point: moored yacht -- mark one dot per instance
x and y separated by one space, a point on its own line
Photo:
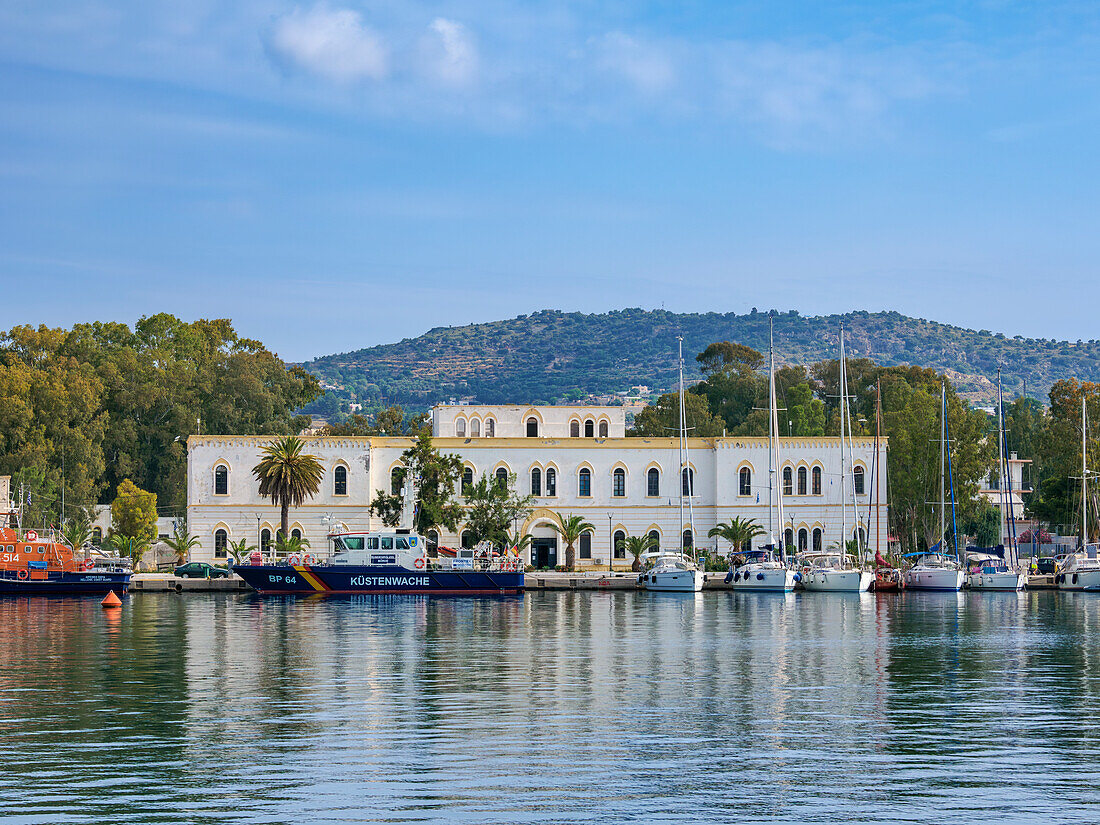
671 573
1081 570
933 571
759 570
987 571
827 572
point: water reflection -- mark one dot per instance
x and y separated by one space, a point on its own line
551 708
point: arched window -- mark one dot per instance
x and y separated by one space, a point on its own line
816 481
687 481
502 478
688 539
532 427
620 544
221 480
551 481
574 429
490 428
586 545
803 540
536 482
857 480
265 541
397 478
618 482
817 539
296 534
340 480
432 540
744 482
584 483
221 542
589 428
862 536
788 538
802 481
655 541
97 535
475 428
460 428
467 480
653 482
467 540
603 429
788 482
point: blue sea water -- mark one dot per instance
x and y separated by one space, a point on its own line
552 708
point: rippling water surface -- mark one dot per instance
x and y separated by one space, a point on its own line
571 707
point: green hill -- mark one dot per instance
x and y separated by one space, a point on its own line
559 356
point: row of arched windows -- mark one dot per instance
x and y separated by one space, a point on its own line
339 480
475 428
591 428
545 482
221 541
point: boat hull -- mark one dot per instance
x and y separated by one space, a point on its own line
65 584
838 581
1083 580
674 581
303 580
934 579
1001 580
770 580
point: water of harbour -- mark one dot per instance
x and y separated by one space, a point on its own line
552 707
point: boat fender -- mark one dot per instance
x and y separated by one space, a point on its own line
737 577
419 564
760 577
729 577
1075 578
179 587
797 577
22 575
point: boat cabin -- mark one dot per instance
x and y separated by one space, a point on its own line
381 549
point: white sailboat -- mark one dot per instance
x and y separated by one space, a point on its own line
833 571
675 572
765 568
935 569
986 570
1078 571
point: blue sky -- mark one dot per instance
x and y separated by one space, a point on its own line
338 174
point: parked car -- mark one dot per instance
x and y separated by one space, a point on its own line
201 570
1045 566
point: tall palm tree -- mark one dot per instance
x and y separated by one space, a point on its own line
635 546
288 476
571 528
737 531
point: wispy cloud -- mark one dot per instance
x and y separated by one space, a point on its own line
332 43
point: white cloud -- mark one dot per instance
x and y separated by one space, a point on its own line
451 52
332 43
646 66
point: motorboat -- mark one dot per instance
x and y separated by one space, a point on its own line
987 571
671 573
1078 571
827 572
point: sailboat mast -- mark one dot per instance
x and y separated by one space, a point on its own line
943 459
1084 476
680 530
843 468
1001 458
773 447
878 464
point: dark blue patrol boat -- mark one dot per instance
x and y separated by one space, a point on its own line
385 562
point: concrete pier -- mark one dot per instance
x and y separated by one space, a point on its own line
167 583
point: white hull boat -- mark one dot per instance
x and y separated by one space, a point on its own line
672 573
1078 572
927 577
832 580
764 576
999 580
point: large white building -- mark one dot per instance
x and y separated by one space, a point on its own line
571 460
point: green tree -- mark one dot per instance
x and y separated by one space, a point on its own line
492 508
662 420
131 547
737 531
983 523
288 476
241 549
290 545
435 476
134 513
570 528
636 546
77 532
180 542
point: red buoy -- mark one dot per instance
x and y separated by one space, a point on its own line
111 600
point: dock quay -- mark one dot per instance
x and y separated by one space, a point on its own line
167 583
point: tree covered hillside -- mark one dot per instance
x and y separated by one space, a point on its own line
559 356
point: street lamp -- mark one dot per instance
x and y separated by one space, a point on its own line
611 543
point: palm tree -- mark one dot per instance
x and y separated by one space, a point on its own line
737 531
635 546
76 533
571 529
288 476
241 549
181 543
520 543
294 545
